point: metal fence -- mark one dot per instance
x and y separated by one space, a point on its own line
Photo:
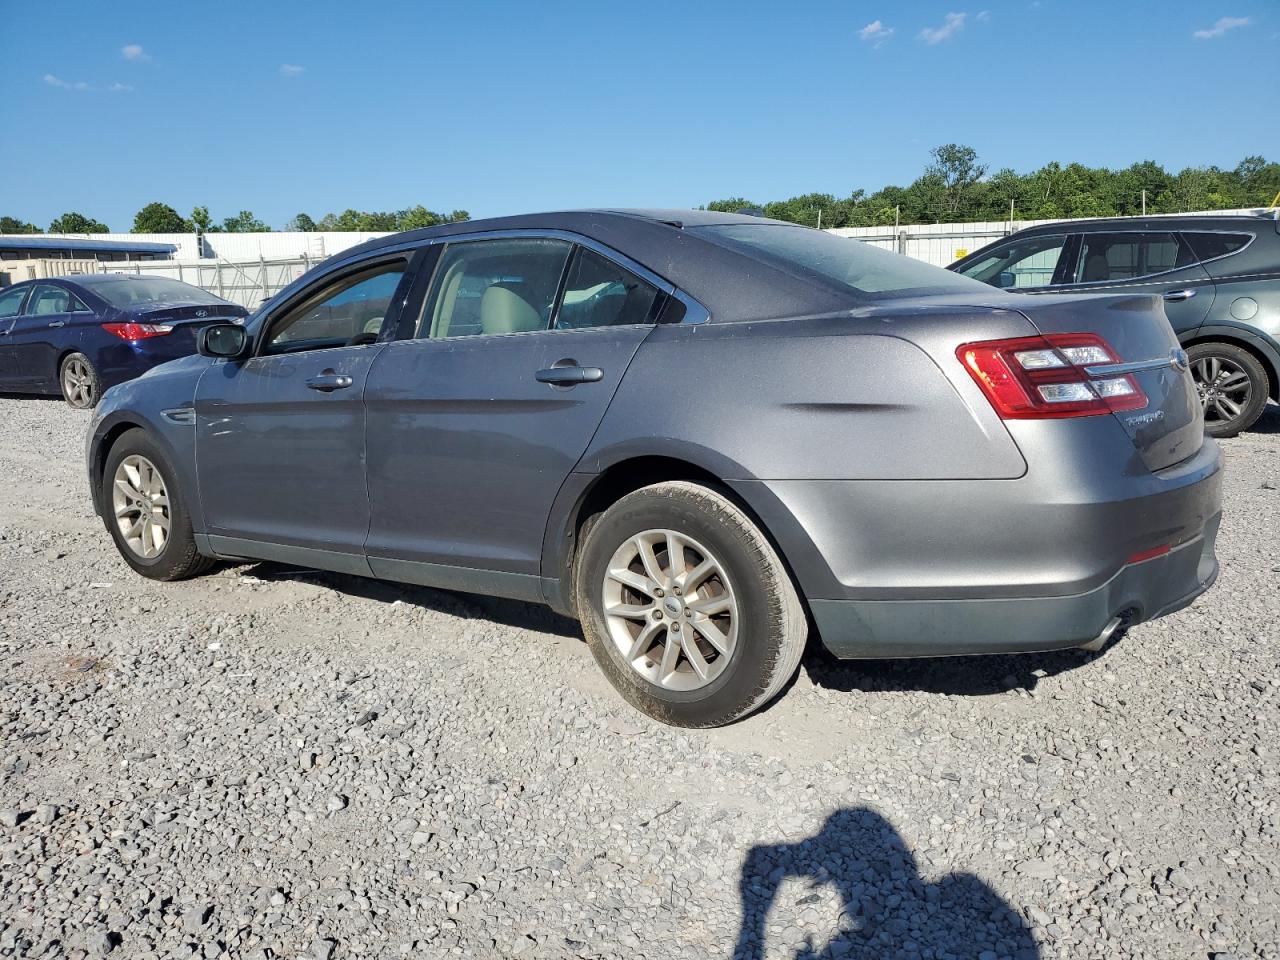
247 284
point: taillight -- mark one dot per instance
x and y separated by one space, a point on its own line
138 331
1035 378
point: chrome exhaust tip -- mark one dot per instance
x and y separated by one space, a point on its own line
1100 641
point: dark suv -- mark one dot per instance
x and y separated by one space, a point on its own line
1219 278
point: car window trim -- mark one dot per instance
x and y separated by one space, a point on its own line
1176 234
1068 257
405 255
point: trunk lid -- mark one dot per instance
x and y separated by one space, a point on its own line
199 313
1170 428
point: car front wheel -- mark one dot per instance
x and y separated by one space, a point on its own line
145 512
1232 384
686 606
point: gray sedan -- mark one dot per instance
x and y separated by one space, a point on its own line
706 436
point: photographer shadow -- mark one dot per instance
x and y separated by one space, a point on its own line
886 908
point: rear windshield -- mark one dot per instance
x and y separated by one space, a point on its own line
868 271
132 291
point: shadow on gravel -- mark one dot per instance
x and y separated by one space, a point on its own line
29 396
982 676
1269 422
887 908
508 613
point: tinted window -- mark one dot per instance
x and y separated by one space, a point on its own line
494 287
11 301
1207 246
1024 262
48 299
131 291
1127 256
78 305
346 310
599 293
862 268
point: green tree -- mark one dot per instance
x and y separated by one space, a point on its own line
957 170
14 225
77 223
159 218
732 205
201 220
244 222
301 223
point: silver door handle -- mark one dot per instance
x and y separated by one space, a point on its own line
57 323
1173 296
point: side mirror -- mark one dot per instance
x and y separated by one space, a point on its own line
229 341
1006 279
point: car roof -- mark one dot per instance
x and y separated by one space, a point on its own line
669 243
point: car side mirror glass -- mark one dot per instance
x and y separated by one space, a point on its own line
1005 279
225 340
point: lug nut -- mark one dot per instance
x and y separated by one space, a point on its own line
658 592
657 614
676 591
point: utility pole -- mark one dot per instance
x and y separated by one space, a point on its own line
819 218
1144 201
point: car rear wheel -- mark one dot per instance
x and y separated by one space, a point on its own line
79 382
687 607
145 512
1232 384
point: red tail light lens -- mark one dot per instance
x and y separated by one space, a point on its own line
1039 378
138 331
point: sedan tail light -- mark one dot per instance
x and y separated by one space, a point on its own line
138 331
1038 378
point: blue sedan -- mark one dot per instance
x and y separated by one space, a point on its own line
80 335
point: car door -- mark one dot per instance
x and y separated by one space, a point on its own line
476 420
1146 261
45 331
280 436
11 301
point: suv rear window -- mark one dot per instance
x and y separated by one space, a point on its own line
870 271
1209 246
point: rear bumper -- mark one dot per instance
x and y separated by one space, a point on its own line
856 629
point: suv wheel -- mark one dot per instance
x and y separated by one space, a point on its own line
686 606
1232 384
145 512
79 382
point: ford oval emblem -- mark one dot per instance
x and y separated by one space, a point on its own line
1179 360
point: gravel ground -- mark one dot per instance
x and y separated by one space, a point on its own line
268 762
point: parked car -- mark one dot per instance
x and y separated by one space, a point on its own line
1219 277
80 335
696 432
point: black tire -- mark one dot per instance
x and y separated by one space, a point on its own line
772 629
1229 360
83 389
178 558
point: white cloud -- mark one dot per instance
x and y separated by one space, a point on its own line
120 88
53 81
290 69
875 33
133 51
953 25
1221 27
982 16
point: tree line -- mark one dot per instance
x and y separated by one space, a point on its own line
162 218
955 187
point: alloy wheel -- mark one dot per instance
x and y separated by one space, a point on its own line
141 505
77 383
670 609
1224 387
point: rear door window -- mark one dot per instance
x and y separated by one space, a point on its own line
1210 246
493 287
1020 263
1117 257
48 299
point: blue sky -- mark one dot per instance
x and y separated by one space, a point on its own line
495 107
